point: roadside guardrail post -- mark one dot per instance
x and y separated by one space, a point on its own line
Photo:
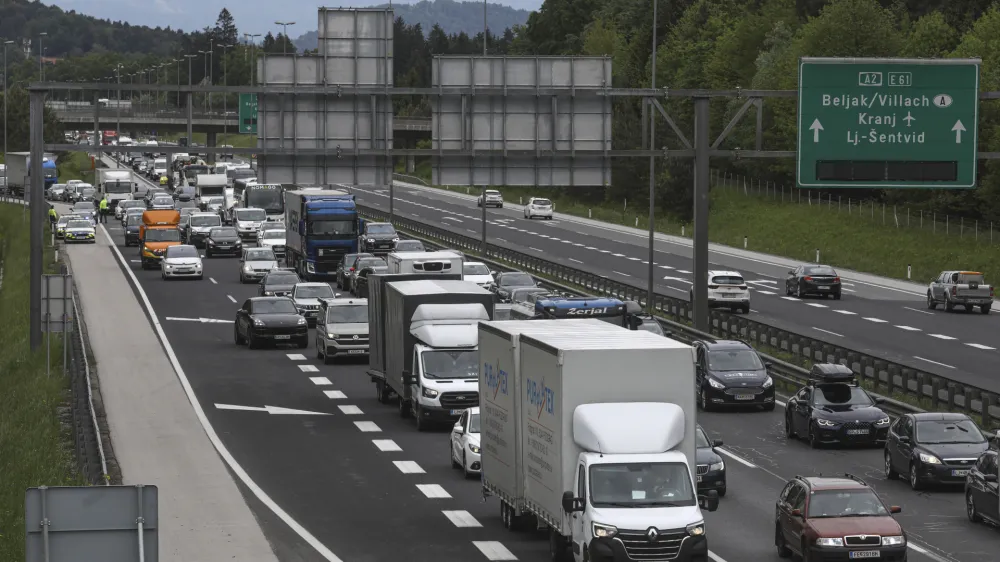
987 403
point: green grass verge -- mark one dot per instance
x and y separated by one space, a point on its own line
75 166
796 231
35 448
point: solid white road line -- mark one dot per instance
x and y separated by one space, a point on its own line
535 249
573 260
618 255
408 467
308 368
622 274
494 550
847 312
876 320
433 491
350 410
212 279
237 469
941 336
335 394
766 292
386 445
909 328
816 305
920 311
935 362
231 298
320 381
790 298
666 267
848 290
980 346
828 332
737 458
684 271
462 518
715 557
296 356
367 426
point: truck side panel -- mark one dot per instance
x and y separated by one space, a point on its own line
542 447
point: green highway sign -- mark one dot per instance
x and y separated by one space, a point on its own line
885 123
248 114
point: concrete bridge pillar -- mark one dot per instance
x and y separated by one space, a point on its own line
211 140
411 164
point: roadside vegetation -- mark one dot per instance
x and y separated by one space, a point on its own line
235 139
75 166
35 447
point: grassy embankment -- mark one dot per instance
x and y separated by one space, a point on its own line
237 140
35 449
796 231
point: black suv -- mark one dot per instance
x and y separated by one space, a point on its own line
833 408
933 448
378 238
731 373
981 497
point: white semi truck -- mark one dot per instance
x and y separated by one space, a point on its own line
117 184
594 438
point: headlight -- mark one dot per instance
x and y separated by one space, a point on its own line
311 268
929 459
395 239
825 423
303 321
474 449
604 531
257 322
829 542
247 268
429 393
211 242
768 382
696 529
716 384
893 541
333 336
371 240
717 466
268 293
883 421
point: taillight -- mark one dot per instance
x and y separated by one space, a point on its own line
713 286
991 292
743 287
808 278
954 290
352 269
836 279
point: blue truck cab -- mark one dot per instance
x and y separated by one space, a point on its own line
50 172
609 310
321 226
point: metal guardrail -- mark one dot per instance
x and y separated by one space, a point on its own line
888 379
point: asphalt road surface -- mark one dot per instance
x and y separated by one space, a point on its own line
882 321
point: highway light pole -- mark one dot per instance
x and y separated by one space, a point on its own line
652 181
205 75
253 54
6 186
188 99
178 65
482 193
225 97
284 26
36 124
118 112
41 69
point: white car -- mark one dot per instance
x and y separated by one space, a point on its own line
123 206
273 239
247 220
181 261
728 289
306 297
80 230
539 207
478 273
465 443
269 225
493 199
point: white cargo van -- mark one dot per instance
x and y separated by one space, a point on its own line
425 262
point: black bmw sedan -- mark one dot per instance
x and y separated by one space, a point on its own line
270 320
813 280
833 408
711 467
933 448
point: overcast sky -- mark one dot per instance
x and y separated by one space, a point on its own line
252 16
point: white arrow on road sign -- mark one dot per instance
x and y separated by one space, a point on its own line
273 410
958 128
816 127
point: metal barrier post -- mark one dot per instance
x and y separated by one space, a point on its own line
139 523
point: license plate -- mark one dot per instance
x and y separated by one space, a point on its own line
699 478
865 554
355 351
857 432
964 472
456 412
744 396
825 287
282 337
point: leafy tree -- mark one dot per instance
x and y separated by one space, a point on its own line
930 37
18 118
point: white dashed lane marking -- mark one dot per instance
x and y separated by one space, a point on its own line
350 410
847 312
408 467
320 381
684 271
816 305
766 292
296 357
335 394
231 298
909 328
386 445
308 368
941 336
876 320
494 550
433 491
980 346
461 518
622 274
789 298
367 426
576 261
212 279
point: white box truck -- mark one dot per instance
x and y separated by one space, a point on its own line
118 184
424 262
607 445
208 185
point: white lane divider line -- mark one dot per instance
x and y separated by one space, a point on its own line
212 279
941 336
766 292
335 394
828 332
816 305
367 426
577 244
909 328
681 279
494 550
736 458
350 410
535 249
876 320
590 248
433 491
935 362
408 467
296 356
605 251
622 274
320 381
918 310
790 299
573 260
231 298
684 271
847 312
635 259
848 290
461 518
386 445
665 267
308 368
618 255
980 346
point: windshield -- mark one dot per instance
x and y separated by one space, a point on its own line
118 187
254 215
456 364
79 224
371 262
542 202
283 278
840 395
409 246
274 234
734 360
640 485
182 252
700 439
213 201
380 229
473 424
206 220
333 228
314 292
265 197
65 220
192 172
845 503
227 232
819 270
260 254
652 326
517 280
353 314
163 235
955 431
276 306
475 269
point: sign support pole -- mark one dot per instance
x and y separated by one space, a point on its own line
36 184
700 246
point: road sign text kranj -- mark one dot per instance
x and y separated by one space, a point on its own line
887 123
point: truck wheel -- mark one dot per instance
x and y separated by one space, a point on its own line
380 393
404 408
930 301
558 552
422 425
948 305
985 309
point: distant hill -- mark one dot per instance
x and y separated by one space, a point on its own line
453 17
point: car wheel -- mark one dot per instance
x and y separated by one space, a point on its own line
769 407
251 341
789 429
813 439
319 350
721 491
746 309
970 508
890 472
915 481
948 305
985 309
327 358
418 415
208 253
703 402
930 301
798 291
236 336
465 466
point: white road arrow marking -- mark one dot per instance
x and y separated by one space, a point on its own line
202 320
909 119
958 128
273 410
816 127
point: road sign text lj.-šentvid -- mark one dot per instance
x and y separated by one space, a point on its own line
248 114
887 123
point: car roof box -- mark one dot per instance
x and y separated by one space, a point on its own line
831 372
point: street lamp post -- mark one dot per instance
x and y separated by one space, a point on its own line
41 69
225 97
178 64
207 54
189 99
284 31
5 80
118 112
253 54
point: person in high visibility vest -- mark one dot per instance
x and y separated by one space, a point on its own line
103 214
163 180
53 216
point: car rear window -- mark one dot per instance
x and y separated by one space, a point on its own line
820 271
542 202
968 278
727 280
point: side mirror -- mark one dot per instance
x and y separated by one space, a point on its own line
408 377
717 443
457 429
710 501
791 273
904 438
796 513
897 509
988 478
571 504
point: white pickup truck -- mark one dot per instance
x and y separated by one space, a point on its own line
967 289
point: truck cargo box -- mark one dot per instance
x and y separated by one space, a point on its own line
499 386
561 371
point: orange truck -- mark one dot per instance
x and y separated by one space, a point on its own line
158 232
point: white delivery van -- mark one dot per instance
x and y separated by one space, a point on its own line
425 262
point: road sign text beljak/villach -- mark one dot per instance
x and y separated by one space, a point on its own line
887 123
248 114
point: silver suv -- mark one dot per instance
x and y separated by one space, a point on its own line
341 328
